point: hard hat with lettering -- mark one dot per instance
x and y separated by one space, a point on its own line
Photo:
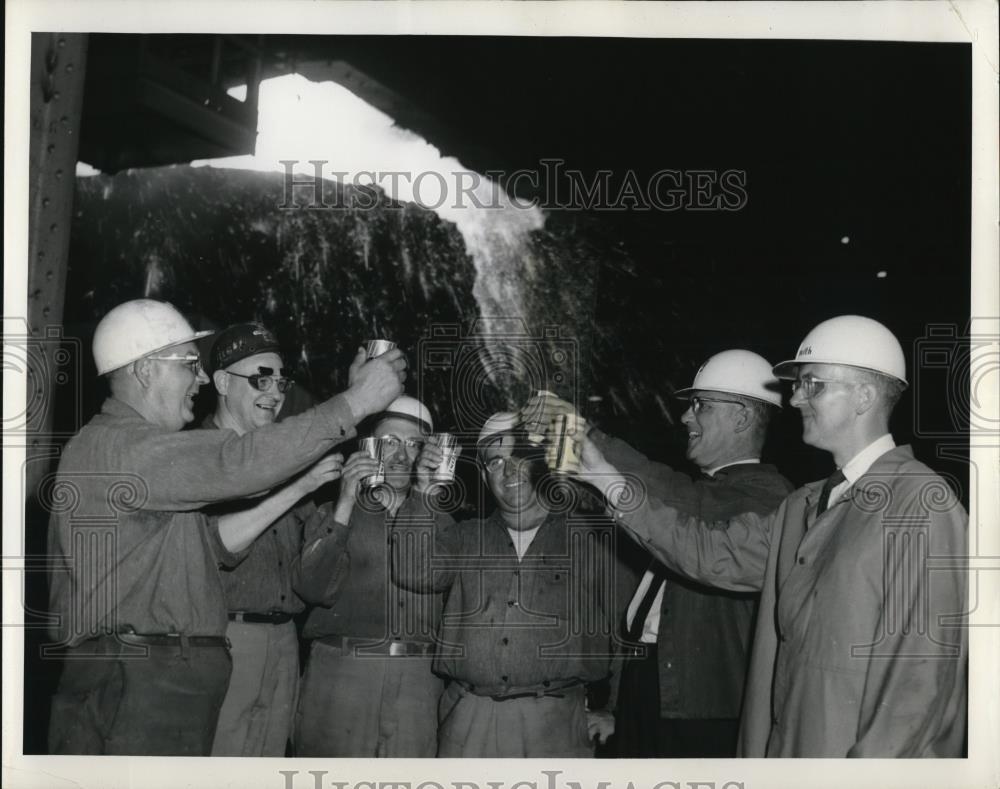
737 372
851 340
406 407
138 328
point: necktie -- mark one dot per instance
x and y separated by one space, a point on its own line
824 496
634 633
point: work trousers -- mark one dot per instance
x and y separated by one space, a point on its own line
257 714
640 732
119 698
528 727
367 706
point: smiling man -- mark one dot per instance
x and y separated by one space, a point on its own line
860 648
368 690
688 645
526 623
139 615
295 555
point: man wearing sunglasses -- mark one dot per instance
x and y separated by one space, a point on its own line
528 592
860 648
138 603
368 690
296 553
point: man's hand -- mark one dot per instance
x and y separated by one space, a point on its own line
427 463
375 383
600 725
358 466
327 469
537 414
597 471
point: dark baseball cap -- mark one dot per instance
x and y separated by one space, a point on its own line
240 341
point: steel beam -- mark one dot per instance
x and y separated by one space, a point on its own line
58 65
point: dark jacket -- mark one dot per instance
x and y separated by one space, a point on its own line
703 643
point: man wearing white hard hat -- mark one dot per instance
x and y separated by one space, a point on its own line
140 617
526 624
368 690
687 649
860 649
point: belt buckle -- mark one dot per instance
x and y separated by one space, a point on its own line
397 648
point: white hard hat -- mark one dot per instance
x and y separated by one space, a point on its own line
500 422
406 407
737 372
136 329
851 340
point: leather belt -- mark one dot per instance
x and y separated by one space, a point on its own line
557 693
270 618
368 646
172 640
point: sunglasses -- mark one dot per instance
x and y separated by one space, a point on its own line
261 381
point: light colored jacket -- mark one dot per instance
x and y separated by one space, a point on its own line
861 647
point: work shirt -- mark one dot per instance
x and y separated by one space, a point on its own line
702 634
366 603
130 545
859 649
512 625
280 570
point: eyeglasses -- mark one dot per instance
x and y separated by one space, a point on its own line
496 463
191 360
812 386
262 381
391 444
698 403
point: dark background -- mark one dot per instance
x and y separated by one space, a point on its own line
864 140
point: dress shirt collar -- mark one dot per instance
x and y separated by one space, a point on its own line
856 467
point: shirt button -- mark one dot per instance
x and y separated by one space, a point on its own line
280 563
545 683
504 678
802 560
509 602
505 641
282 597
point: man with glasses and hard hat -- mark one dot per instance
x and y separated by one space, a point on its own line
860 648
681 685
138 604
528 593
300 558
368 690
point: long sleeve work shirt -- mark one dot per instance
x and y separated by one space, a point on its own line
131 547
512 626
